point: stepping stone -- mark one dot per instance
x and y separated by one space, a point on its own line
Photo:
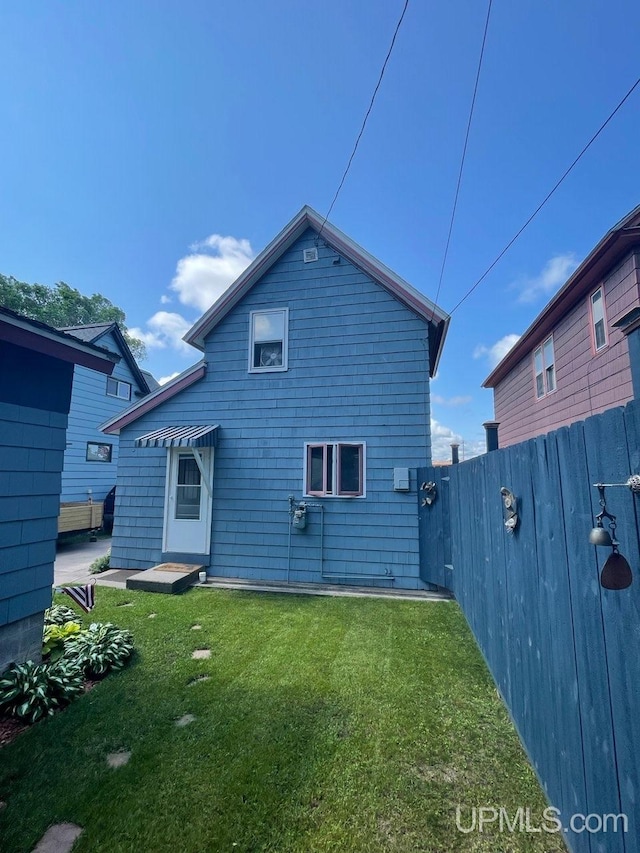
118 759
185 720
152 615
197 679
196 627
201 654
125 604
59 838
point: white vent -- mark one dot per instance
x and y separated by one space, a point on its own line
309 255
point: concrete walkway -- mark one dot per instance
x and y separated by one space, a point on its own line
73 561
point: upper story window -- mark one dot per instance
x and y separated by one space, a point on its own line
118 388
268 340
545 368
335 470
598 320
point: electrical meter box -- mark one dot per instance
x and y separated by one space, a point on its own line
401 479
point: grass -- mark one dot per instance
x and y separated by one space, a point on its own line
325 724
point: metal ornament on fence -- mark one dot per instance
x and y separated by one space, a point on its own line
431 493
511 506
616 572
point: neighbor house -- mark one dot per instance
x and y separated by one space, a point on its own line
290 451
573 360
90 461
36 374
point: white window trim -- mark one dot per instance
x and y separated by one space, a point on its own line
285 343
119 382
545 391
335 445
596 348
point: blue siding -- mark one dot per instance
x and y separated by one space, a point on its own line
358 371
31 451
90 406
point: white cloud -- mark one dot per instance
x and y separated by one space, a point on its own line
496 352
212 265
164 379
442 437
554 274
450 401
164 299
165 329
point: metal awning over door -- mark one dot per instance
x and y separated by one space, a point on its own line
180 436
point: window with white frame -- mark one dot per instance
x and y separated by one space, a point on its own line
335 469
598 322
545 368
268 340
118 388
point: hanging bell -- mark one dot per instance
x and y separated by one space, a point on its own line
616 572
600 536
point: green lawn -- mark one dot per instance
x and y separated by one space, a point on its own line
325 724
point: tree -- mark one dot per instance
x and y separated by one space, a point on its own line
62 305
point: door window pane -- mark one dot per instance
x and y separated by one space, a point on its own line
188 489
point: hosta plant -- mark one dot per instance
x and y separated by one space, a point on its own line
60 614
55 636
99 649
31 691
100 564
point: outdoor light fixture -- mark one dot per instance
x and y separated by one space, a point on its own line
511 506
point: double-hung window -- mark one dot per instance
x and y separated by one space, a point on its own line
598 322
335 469
545 368
268 340
118 388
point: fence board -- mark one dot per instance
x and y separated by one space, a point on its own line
565 653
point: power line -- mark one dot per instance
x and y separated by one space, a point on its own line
373 97
464 154
546 198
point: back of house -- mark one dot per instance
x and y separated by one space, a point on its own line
290 452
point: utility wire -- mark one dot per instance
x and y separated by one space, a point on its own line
373 97
464 154
546 198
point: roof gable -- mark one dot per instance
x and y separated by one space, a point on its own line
307 218
93 332
612 248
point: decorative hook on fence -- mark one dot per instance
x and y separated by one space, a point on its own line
511 506
431 493
616 572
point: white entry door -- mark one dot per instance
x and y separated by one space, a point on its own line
187 519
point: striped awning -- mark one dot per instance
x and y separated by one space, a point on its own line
180 436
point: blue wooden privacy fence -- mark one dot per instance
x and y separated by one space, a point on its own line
564 652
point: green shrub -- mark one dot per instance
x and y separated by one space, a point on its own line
60 614
99 649
31 691
100 564
55 636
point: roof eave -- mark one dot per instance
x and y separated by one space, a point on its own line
39 337
613 247
155 398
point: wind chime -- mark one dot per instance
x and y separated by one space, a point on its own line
616 572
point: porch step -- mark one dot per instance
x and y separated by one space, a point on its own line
170 578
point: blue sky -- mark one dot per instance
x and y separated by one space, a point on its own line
150 149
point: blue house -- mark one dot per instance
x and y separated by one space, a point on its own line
90 461
36 374
289 452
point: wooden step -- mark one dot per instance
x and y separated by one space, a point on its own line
169 578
